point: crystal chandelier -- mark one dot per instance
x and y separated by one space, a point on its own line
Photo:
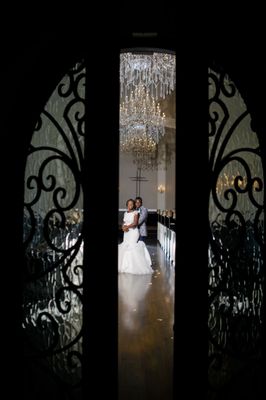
140 115
142 125
156 71
143 150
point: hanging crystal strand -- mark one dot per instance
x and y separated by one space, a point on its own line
143 76
148 82
121 88
149 70
167 86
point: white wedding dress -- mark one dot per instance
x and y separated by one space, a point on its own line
133 256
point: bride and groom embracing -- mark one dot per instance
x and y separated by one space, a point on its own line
133 255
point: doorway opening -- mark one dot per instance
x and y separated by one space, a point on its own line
147 172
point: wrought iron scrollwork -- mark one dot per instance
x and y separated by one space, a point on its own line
236 233
53 231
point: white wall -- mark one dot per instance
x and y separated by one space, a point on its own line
127 187
149 188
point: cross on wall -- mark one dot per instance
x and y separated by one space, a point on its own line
138 179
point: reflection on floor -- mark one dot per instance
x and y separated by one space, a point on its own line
146 318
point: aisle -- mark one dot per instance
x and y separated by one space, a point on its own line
146 317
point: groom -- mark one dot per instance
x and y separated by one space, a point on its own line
143 216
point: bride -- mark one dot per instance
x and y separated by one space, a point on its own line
133 255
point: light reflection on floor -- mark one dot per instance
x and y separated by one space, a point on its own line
146 318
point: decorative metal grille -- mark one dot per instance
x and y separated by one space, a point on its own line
53 237
236 234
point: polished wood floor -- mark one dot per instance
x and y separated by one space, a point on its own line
145 341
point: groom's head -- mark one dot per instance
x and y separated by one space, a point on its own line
138 202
